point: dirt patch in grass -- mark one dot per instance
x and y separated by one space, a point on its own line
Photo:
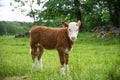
17 78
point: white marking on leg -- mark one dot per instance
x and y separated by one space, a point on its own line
67 68
62 71
34 67
40 64
34 63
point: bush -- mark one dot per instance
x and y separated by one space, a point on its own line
12 28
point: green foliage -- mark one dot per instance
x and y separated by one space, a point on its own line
93 13
2 29
91 59
55 11
58 8
91 22
12 28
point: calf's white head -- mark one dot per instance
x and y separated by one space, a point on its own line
73 29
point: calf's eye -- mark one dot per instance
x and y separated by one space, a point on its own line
69 30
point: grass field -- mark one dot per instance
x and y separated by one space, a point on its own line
91 59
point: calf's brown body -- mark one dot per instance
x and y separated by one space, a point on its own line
50 38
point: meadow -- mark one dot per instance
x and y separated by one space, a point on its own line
91 59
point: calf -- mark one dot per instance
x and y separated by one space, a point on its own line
61 39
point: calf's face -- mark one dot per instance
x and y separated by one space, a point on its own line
73 29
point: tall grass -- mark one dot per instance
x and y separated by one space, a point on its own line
91 59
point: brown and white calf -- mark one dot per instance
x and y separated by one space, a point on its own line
61 39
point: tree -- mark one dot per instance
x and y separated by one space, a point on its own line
114 11
91 12
32 10
111 8
77 9
58 10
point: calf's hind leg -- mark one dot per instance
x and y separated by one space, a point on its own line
40 52
33 51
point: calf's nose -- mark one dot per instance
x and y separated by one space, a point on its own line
73 38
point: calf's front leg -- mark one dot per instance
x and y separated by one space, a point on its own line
66 62
62 60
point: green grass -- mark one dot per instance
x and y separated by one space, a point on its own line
91 59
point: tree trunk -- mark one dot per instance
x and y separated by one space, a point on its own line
118 2
78 12
114 12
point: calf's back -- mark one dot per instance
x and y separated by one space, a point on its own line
49 38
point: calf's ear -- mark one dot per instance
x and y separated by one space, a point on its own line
64 24
79 23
